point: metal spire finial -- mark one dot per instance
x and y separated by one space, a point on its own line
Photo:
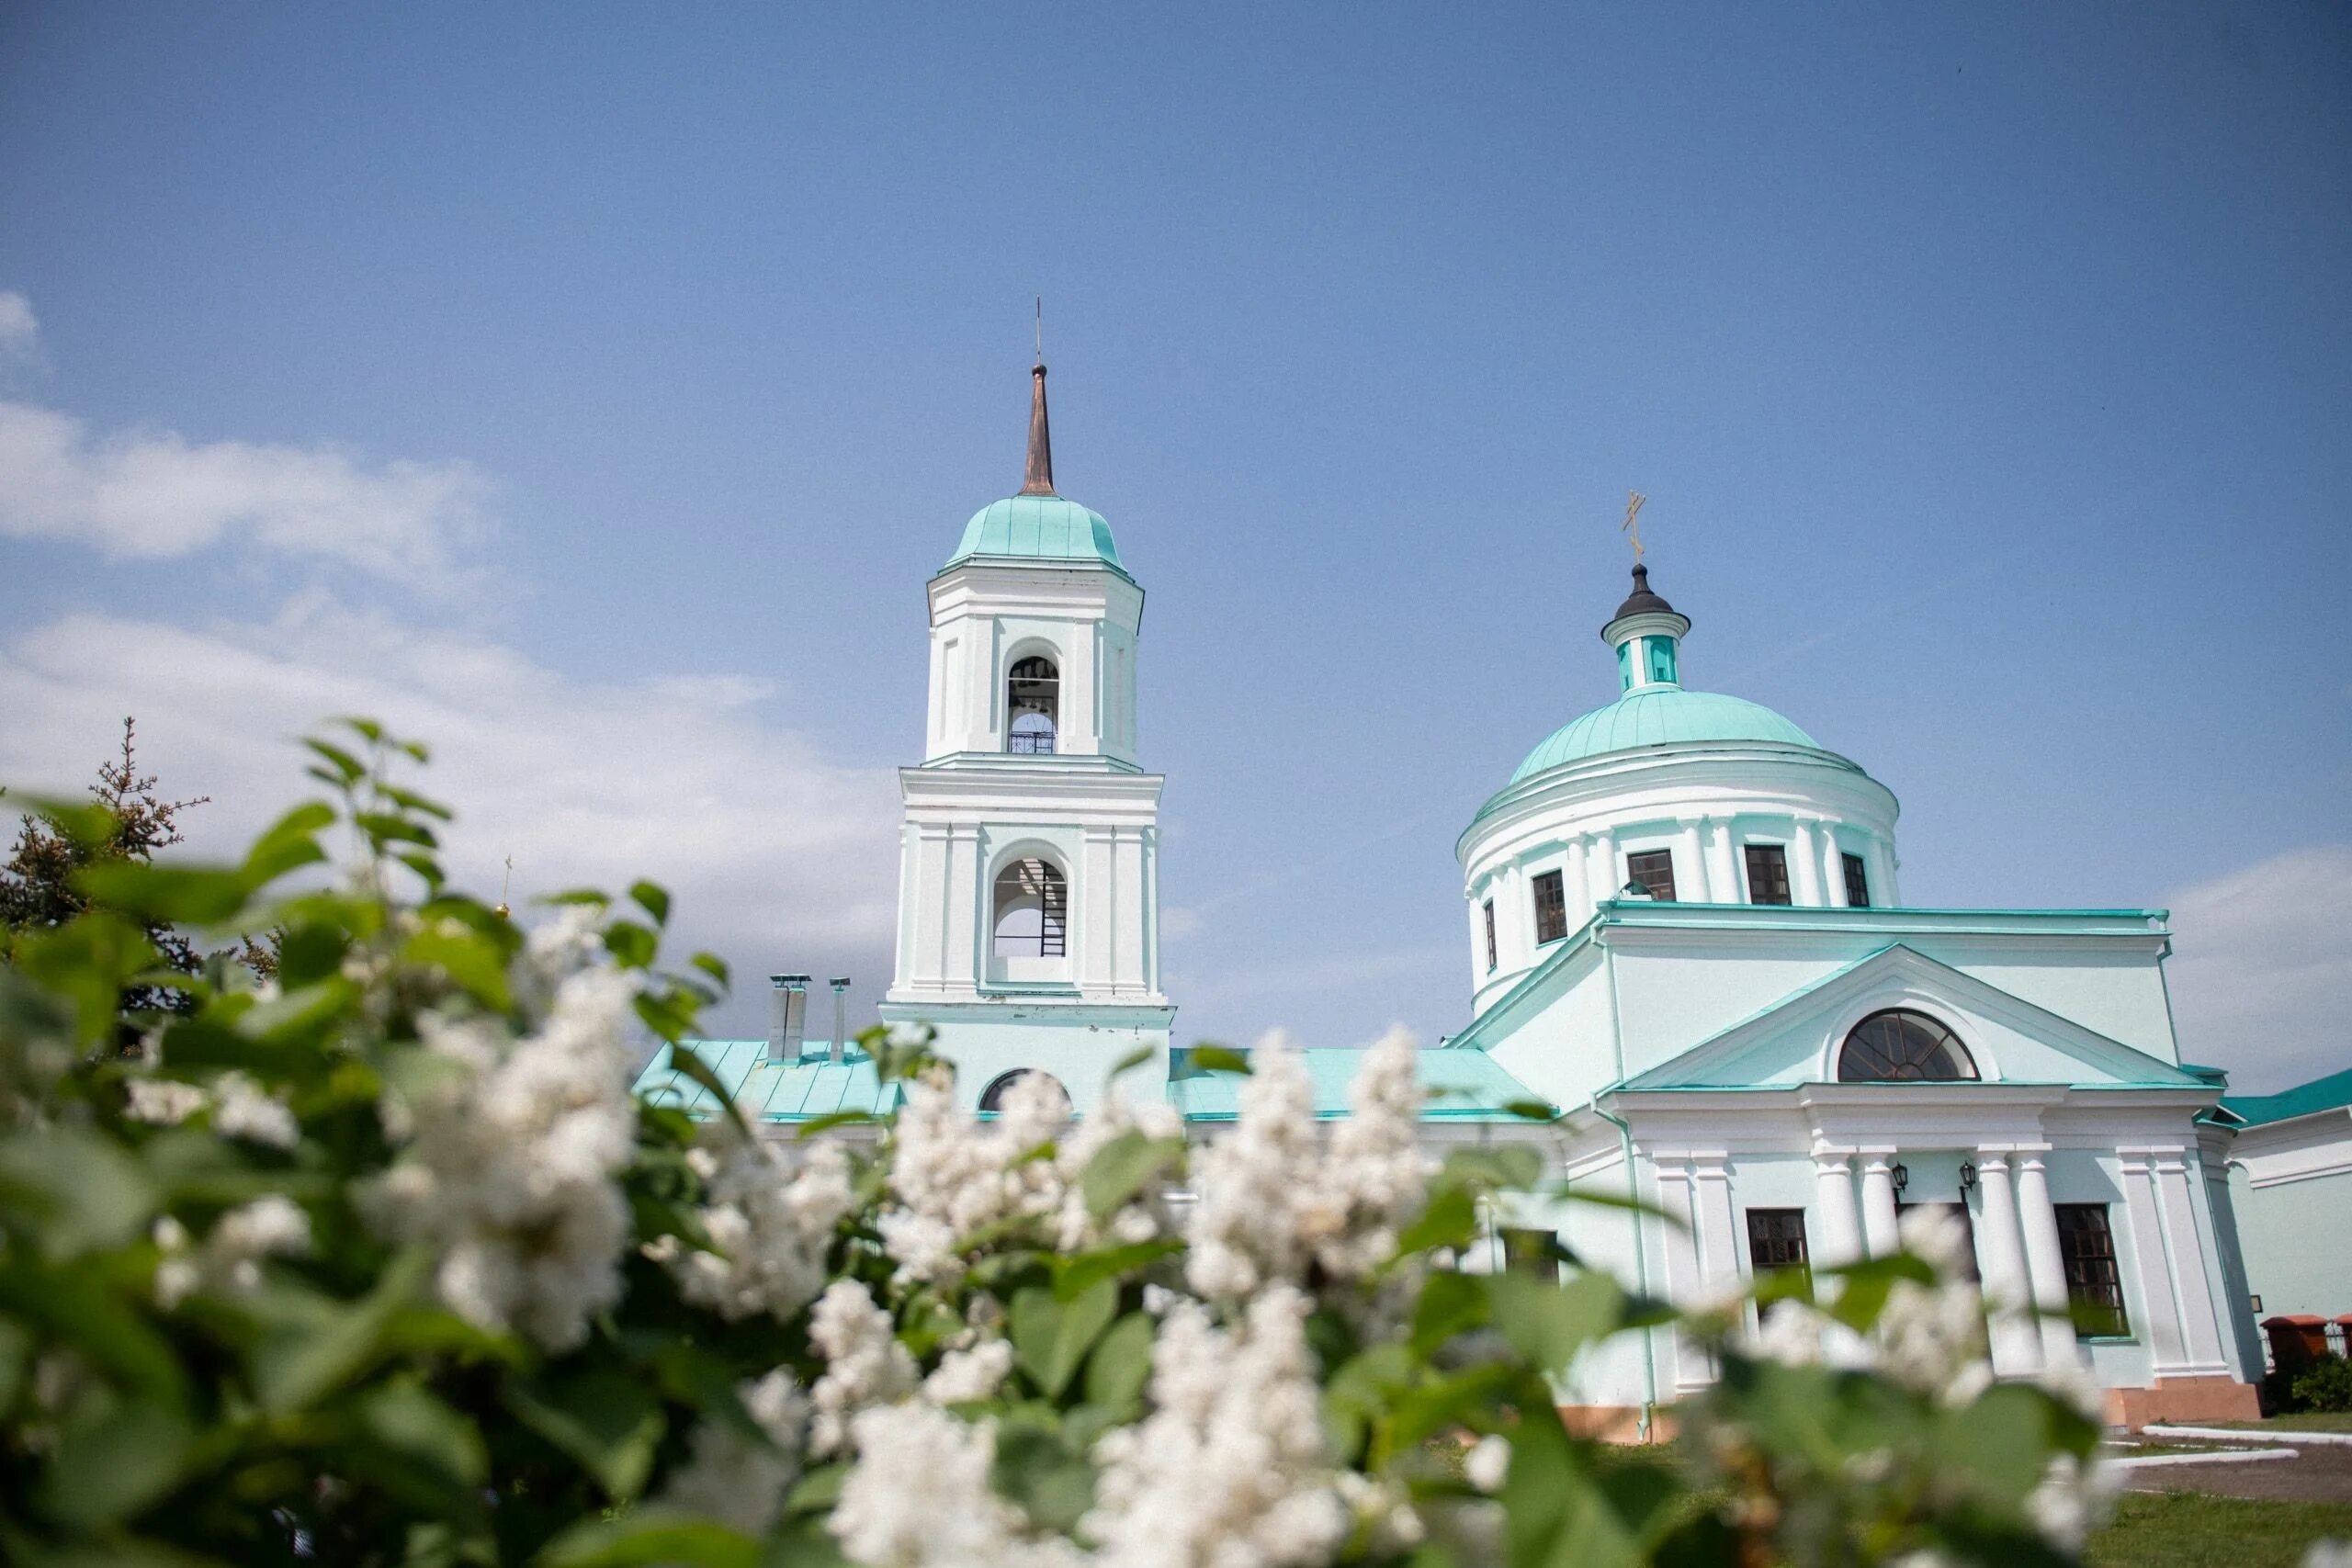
1633 499
1039 480
504 884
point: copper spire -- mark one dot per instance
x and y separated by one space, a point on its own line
1039 480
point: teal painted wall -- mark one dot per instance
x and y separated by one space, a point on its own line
2297 1239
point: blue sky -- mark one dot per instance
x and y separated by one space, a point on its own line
594 389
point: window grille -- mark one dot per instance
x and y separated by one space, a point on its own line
1031 910
1899 1046
1653 869
2094 1283
1491 954
1551 908
1858 882
1531 1252
1767 875
1776 1247
1032 705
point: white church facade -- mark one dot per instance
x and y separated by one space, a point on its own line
1685 934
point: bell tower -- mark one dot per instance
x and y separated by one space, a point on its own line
1028 886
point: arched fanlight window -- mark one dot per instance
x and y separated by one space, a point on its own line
1031 910
1899 1046
1032 702
993 1098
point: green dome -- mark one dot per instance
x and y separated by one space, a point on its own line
1038 527
1660 715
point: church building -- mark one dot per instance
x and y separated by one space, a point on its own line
1687 937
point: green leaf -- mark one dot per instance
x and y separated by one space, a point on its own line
1079 1272
1121 1365
301 1013
1450 1304
410 1420
1513 1167
816 1125
1120 1168
74 1305
2001 1441
1532 1110
649 1536
177 895
113 1462
1050 1338
471 961
288 843
653 899
714 966
1868 1283
1134 1058
73 1193
631 944
384 828
1548 1324
348 769
306 1356
1037 1469
603 1419
1449 1219
1211 1058
409 800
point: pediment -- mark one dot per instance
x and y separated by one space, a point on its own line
1795 1040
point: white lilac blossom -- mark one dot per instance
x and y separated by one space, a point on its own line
1146 1217
514 1148
1275 1201
772 1228
735 1479
1231 1468
242 1108
229 1262
918 1497
162 1101
1487 1464
952 1175
865 1363
970 1374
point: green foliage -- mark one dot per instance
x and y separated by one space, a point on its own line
2324 1386
327 1403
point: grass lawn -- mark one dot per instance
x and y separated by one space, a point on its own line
2189 1529
2307 1421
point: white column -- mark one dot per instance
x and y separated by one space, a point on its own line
1691 861
1718 1231
1722 874
962 963
1833 869
2000 1259
2201 1326
1841 1227
1148 842
1692 1368
2157 1315
1093 918
1601 866
2045 1264
1881 860
1804 865
1880 1226
1127 938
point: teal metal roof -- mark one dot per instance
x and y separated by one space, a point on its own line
770 1091
1660 715
1039 527
1463 1086
2330 1093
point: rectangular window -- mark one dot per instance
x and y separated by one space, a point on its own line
1551 908
2094 1284
1490 936
1653 869
1858 882
1531 1252
1767 875
1776 1245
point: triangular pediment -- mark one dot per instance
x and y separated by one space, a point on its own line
1796 1039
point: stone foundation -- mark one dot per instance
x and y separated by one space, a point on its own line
2184 1400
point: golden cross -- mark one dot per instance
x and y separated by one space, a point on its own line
1633 499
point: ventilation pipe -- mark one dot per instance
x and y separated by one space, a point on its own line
840 1052
787 1018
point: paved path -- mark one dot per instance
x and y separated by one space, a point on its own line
2318 1474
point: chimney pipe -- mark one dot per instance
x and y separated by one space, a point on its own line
840 1052
787 1017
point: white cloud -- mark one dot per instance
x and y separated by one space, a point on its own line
19 333
2261 973
153 494
771 849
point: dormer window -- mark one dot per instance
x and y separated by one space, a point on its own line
1032 702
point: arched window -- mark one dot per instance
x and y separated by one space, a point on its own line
1898 1046
992 1097
1032 689
1031 910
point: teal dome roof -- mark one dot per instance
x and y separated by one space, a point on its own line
1660 715
1039 527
